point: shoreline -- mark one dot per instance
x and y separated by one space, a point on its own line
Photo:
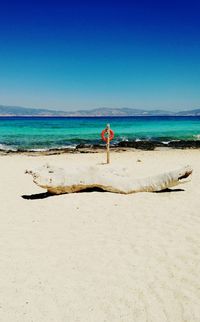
119 147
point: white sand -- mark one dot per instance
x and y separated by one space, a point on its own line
100 257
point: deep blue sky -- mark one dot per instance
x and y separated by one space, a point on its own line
72 54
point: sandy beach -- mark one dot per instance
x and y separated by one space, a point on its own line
99 256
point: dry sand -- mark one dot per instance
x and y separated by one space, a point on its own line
100 257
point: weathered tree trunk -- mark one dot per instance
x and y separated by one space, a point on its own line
59 180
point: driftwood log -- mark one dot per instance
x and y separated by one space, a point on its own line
58 180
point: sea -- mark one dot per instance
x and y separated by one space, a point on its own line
46 133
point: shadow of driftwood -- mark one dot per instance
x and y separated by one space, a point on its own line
169 190
45 195
42 195
93 189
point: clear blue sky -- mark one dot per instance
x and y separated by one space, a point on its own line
83 54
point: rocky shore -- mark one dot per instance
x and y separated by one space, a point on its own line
119 147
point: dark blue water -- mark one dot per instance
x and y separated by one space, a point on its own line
57 132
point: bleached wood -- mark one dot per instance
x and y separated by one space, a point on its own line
58 180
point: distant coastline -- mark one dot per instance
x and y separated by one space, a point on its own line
17 111
93 116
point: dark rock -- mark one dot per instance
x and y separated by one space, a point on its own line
143 145
184 144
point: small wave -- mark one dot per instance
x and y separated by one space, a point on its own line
5 147
36 150
123 138
197 136
67 147
175 140
51 148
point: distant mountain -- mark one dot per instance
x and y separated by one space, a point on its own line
124 111
190 112
103 111
26 111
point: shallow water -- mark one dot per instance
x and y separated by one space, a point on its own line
58 132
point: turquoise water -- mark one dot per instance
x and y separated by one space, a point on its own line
47 133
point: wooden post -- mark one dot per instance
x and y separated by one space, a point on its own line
108 143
